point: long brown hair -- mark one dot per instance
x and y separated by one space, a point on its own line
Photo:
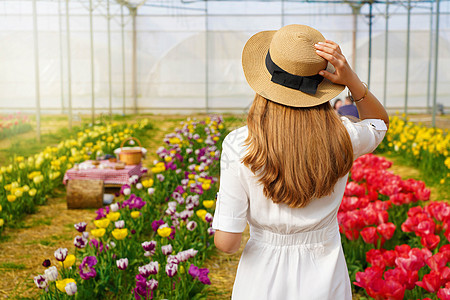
298 153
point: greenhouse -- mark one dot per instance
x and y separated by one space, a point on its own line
124 172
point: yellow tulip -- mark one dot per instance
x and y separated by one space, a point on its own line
120 234
208 203
2 222
168 158
102 223
201 213
61 284
1 208
165 231
113 216
32 192
11 198
68 262
206 186
135 214
99 232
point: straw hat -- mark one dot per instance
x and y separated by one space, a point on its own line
283 66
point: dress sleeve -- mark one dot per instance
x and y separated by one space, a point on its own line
365 135
232 200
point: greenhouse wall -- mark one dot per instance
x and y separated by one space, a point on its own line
188 53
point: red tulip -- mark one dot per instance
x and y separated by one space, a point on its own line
386 230
430 241
412 263
430 282
369 235
445 250
444 294
437 261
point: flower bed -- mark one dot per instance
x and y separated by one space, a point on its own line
153 243
27 182
425 148
395 246
13 124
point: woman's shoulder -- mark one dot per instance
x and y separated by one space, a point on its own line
237 136
234 141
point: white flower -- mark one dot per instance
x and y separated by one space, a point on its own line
71 288
51 273
139 186
114 207
151 191
61 254
126 191
41 281
120 224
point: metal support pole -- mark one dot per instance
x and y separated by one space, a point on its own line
282 13
69 67
436 56
134 62
370 44
430 59
386 41
109 58
61 61
206 59
92 63
36 74
123 60
355 12
407 58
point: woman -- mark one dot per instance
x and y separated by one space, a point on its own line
337 104
285 172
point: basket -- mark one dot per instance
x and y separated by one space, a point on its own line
130 156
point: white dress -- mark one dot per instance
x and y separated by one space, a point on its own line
292 253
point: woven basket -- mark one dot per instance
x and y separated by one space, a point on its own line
130 156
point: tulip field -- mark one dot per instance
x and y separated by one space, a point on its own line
155 240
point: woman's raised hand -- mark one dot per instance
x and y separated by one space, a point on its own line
332 52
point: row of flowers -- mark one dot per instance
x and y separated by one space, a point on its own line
424 147
27 182
152 241
396 244
14 124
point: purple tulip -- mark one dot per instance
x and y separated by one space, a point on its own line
172 259
186 254
157 224
80 227
171 269
134 202
203 277
191 225
152 284
61 254
149 246
87 269
149 269
80 242
193 271
167 249
208 218
211 231
122 263
41 281
46 263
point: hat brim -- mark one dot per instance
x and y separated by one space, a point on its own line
259 78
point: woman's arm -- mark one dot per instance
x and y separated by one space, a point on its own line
227 242
369 107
